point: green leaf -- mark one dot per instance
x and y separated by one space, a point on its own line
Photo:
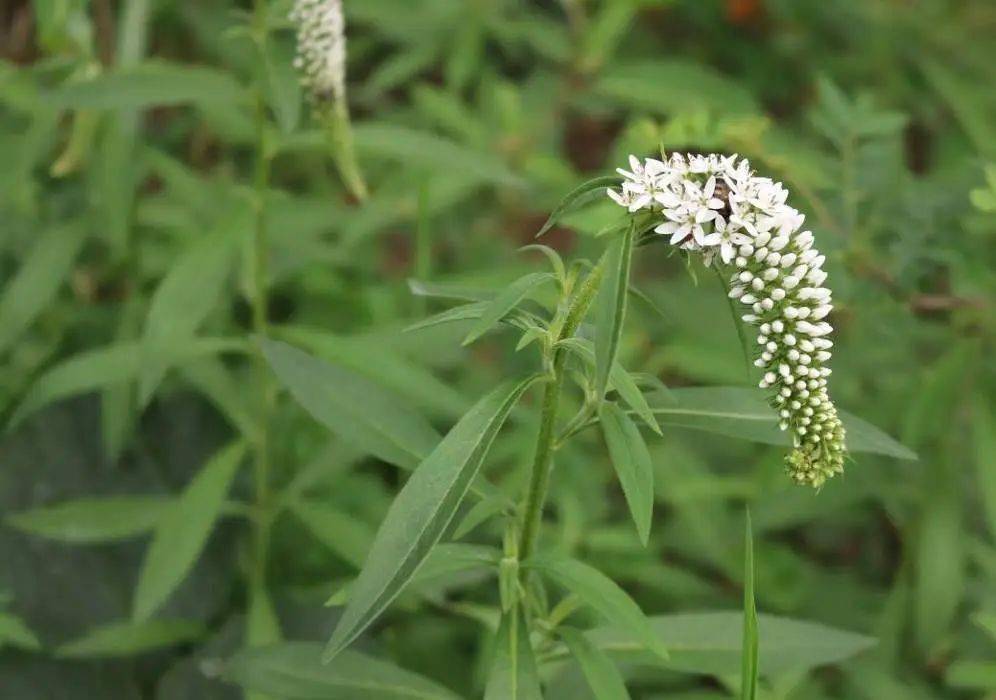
631 460
969 106
467 312
444 561
93 520
294 671
620 380
711 643
601 593
556 262
352 406
742 412
603 677
513 673
939 578
578 197
422 510
182 533
186 295
670 86
427 150
749 653
611 307
972 675
371 357
508 299
40 275
984 442
14 633
107 366
262 623
283 89
212 378
348 537
129 638
152 84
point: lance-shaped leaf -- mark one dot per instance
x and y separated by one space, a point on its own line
293 670
507 300
146 85
354 407
344 534
632 463
128 638
742 412
582 194
599 670
710 643
91 520
610 309
422 510
186 295
513 673
469 312
601 593
14 633
183 531
108 366
37 280
374 359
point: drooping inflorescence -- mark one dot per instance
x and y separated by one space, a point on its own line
716 206
321 49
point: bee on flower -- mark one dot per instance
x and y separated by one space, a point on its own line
717 207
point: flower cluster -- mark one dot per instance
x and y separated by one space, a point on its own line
321 49
716 206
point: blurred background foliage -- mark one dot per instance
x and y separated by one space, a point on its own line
127 140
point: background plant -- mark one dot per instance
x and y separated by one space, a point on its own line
130 202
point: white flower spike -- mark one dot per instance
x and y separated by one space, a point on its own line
321 49
716 206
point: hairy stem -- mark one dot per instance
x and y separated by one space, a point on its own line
539 481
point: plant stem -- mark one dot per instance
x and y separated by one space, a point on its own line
539 480
260 324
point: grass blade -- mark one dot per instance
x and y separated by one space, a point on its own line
749 649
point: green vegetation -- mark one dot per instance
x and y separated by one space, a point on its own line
369 390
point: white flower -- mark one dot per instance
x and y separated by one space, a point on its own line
321 49
716 206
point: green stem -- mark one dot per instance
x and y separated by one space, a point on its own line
259 302
539 481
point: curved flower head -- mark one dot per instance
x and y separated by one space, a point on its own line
718 207
321 49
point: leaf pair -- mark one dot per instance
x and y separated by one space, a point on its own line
514 673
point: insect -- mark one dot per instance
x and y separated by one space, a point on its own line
722 193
